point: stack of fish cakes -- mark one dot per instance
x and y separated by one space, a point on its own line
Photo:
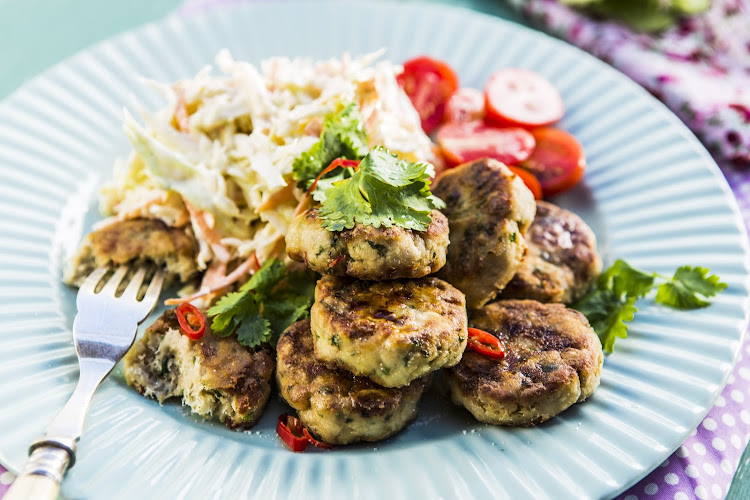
505 246
379 326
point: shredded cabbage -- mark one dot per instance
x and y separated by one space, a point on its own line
225 144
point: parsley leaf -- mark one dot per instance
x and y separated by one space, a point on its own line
265 306
688 288
385 191
610 304
343 136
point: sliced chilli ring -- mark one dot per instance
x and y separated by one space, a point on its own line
485 344
191 320
290 430
315 442
295 435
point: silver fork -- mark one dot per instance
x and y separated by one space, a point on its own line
103 331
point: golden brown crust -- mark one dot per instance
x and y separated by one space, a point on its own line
553 359
135 241
335 405
366 252
215 376
561 262
489 209
390 331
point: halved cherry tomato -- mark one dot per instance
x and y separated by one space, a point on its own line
428 83
465 105
557 161
466 141
191 320
485 344
531 182
520 97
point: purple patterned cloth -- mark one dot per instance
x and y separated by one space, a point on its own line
701 70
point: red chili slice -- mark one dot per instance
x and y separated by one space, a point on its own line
485 344
429 83
295 435
338 162
191 320
335 262
461 142
315 442
289 429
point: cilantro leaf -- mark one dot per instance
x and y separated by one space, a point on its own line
610 304
607 313
329 181
291 301
253 330
632 282
232 307
343 136
239 312
265 278
226 310
688 288
270 301
385 191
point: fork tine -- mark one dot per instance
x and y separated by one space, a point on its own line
111 287
154 288
131 292
89 285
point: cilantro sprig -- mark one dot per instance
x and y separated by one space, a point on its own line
384 191
271 300
343 136
610 304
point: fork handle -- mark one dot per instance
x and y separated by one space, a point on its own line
32 487
40 479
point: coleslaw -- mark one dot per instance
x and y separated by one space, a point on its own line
218 157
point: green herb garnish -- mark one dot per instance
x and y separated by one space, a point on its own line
384 191
610 304
265 306
343 136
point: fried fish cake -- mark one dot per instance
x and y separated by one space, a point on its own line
390 331
136 241
336 406
489 210
367 252
552 359
561 261
216 377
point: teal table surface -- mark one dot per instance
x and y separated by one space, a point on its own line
36 34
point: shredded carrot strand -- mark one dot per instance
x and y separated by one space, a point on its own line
213 281
214 240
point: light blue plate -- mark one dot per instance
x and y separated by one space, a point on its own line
652 194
